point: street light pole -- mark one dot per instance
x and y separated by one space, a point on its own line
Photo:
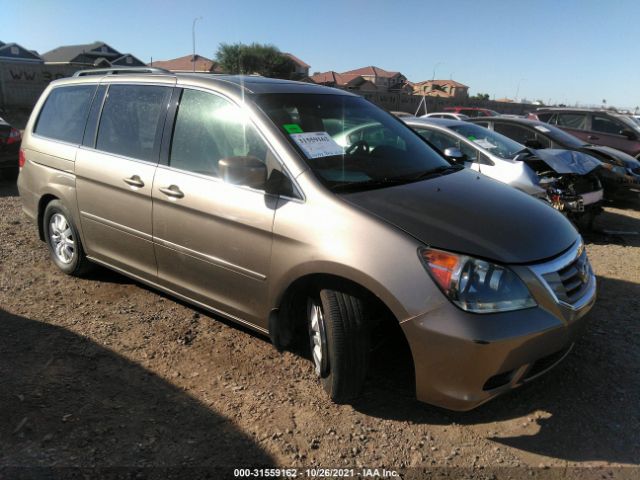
433 77
518 89
193 37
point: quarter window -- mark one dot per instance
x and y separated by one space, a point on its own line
64 113
208 129
131 121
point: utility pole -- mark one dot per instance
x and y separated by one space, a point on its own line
193 37
518 89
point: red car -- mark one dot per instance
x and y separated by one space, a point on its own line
596 127
10 139
472 112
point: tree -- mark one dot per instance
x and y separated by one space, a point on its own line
266 60
480 96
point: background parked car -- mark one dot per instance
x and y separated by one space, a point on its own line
563 178
621 175
598 127
472 111
10 139
449 115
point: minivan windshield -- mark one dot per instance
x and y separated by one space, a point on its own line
491 141
349 143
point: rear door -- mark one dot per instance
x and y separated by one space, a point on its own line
114 176
212 238
573 122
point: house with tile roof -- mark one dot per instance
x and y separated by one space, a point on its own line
381 78
96 54
300 68
441 88
188 63
369 79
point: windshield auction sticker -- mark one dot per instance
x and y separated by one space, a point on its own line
317 144
292 128
481 142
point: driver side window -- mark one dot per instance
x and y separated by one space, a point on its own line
209 128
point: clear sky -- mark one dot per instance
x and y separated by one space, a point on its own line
560 50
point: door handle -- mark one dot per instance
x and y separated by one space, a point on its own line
134 181
593 137
172 191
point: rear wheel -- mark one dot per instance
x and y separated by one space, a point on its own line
339 342
63 240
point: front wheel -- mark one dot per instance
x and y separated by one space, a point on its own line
339 342
63 240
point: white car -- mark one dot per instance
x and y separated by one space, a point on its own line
563 178
448 115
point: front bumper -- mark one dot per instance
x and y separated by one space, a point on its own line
463 359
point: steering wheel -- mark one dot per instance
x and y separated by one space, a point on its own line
359 147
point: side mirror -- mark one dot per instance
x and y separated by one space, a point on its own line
279 184
630 134
454 154
248 171
533 143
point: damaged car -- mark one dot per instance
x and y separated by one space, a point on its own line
620 172
565 179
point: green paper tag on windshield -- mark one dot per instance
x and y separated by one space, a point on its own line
292 128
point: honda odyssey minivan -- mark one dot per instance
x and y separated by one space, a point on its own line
232 193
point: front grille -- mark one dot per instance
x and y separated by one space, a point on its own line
570 282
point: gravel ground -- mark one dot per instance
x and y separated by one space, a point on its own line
104 372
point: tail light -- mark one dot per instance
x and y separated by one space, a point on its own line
21 159
14 136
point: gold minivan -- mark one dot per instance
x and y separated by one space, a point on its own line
233 193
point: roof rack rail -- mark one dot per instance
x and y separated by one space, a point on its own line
120 71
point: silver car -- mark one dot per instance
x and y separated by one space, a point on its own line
566 179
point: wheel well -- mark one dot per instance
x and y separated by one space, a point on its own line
288 321
42 205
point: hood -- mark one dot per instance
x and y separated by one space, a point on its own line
567 161
469 213
611 153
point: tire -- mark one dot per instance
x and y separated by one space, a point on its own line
337 331
63 240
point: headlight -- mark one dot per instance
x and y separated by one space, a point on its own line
476 285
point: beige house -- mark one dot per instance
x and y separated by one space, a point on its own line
300 68
441 88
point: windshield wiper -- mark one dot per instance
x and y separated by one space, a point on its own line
524 153
435 172
367 184
390 181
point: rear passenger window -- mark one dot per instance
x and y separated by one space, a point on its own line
572 120
131 121
64 113
209 128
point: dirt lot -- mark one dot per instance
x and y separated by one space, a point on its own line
103 372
